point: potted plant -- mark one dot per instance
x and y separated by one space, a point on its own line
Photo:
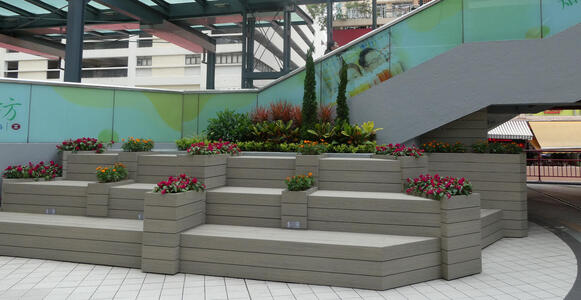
30 172
75 154
309 155
98 192
175 205
132 148
207 161
294 201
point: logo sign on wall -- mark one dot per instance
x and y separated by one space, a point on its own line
14 103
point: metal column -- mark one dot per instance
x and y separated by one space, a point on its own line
210 70
329 24
244 54
286 52
373 14
74 45
250 50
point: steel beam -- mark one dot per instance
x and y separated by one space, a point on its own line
74 44
294 45
45 6
302 35
266 43
250 50
32 45
373 14
244 83
156 23
210 70
286 67
265 75
329 24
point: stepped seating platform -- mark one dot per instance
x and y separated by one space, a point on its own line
491 226
63 197
126 201
103 241
244 206
360 174
259 171
316 257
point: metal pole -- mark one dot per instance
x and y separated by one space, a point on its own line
74 44
539 164
421 2
244 36
210 70
250 48
329 24
373 14
286 51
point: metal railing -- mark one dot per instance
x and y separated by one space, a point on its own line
547 165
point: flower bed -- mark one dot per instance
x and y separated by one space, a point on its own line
497 148
399 150
115 173
46 171
179 184
137 145
82 144
300 182
203 148
437 187
439 147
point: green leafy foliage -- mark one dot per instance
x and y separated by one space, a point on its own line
115 173
300 182
357 135
312 148
324 132
497 148
184 143
342 107
275 132
439 147
229 125
309 109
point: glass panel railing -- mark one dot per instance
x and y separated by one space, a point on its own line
155 115
426 35
559 15
58 113
496 20
190 115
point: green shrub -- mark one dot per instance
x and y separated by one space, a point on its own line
229 125
342 107
184 143
275 132
309 110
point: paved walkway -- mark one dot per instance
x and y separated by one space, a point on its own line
540 266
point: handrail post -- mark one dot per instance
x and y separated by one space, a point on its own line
539 164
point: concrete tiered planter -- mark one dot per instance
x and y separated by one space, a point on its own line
98 197
82 164
499 178
129 159
209 169
294 208
166 216
460 226
309 163
411 167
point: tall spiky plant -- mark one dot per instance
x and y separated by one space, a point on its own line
309 112
342 107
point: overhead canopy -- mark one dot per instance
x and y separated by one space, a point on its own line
512 130
557 135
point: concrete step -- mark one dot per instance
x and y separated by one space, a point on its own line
103 241
62 197
308 256
259 171
360 174
244 206
126 201
491 222
373 212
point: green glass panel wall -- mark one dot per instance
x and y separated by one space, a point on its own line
190 115
14 110
426 35
559 15
290 89
211 104
157 116
58 113
496 20
367 65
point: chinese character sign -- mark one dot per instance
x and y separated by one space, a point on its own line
14 105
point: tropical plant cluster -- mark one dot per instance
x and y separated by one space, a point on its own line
137 145
300 182
497 148
399 150
41 170
209 148
115 173
179 184
83 144
312 147
437 187
294 147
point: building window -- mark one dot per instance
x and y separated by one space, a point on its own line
193 59
96 45
145 40
262 67
143 61
229 58
54 71
382 11
11 66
